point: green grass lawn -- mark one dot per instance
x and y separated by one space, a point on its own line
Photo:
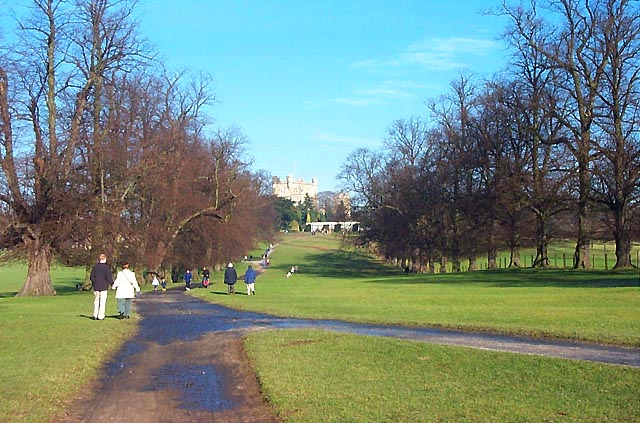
50 349
599 305
315 376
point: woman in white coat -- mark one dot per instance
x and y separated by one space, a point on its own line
126 287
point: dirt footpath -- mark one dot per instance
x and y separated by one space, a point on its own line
179 368
187 364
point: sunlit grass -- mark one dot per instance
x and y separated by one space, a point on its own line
49 347
599 306
315 376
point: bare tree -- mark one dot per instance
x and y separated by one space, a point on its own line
576 49
452 114
617 170
37 193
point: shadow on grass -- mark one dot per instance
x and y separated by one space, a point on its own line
525 278
67 289
341 264
112 316
349 264
60 290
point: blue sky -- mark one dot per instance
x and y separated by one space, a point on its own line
308 81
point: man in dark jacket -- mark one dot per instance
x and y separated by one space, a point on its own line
230 278
101 279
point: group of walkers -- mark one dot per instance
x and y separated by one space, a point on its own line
231 277
126 285
188 278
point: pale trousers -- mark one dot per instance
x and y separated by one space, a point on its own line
99 304
251 288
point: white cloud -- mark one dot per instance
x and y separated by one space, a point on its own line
446 53
376 95
433 54
439 54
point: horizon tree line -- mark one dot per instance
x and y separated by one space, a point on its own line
547 149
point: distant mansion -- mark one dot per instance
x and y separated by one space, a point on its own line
295 190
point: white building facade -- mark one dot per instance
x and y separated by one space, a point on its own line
296 190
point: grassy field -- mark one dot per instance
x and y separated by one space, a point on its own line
50 349
315 376
600 306
350 378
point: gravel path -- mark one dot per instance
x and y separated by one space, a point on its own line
187 363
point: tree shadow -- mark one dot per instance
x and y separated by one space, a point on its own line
525 278
341 263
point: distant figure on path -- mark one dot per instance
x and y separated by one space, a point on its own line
163 283
250 278
126 287
101 278
230 278
155 282
205 277
188 276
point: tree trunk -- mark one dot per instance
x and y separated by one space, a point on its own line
542 242
581 259
623 241
432 265
443 264
86 285
473 264
492 257
38 282
492 252
514 241
515 256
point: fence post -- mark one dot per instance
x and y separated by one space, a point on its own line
606 263
564 260
593 261
555 261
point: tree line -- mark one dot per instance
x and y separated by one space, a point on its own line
547 149
102 149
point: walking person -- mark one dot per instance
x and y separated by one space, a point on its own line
126 287
101 278
250 278
188 276
155 282
163 283
205 277
230 278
